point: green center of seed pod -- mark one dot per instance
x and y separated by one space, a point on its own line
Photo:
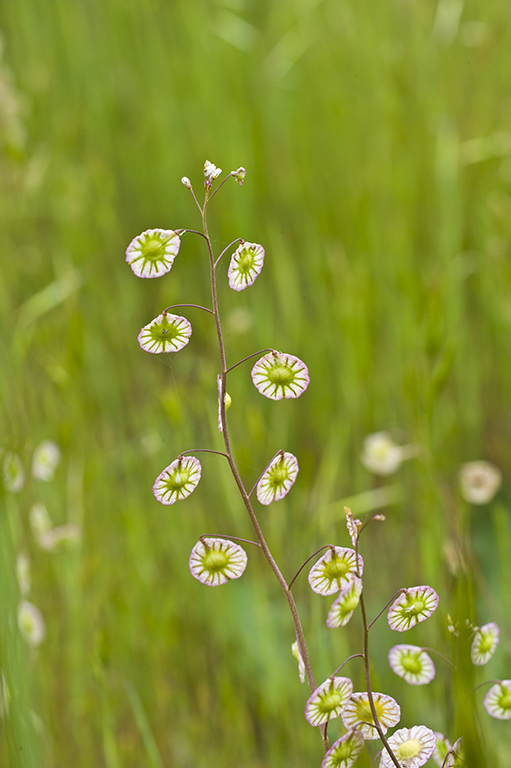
329 702
485 643
349 603
408 749
364 713
246 260
343 751
215 560
164 331
279 475
415 606
153 249
336 568
280 374
178 480
505 700
411 664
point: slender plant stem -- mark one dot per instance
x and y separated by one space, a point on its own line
399 592
238 240
202 450
260 352
220 186
488 682
355 656
234 470
197 306
367 673
305 563
228 536
440 655
192 231
264 470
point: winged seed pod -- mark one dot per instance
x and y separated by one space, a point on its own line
334 570
328 700
278 478
278 375
412 746
357 714
345 751
152 253
166 333
178 480
215 561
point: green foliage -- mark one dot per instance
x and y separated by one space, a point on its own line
387 233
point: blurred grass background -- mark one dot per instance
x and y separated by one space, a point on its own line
377 142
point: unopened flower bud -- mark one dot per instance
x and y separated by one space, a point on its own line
186 181
239 175
227 401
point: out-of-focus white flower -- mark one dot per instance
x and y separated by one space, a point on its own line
211 172
485 643
59 537
23 574
381 455
298 656
497 701
345 603
40 520
13 474
479 481
412 664
45 460
31 623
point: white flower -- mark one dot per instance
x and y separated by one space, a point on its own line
485 643
497 701
60 536
152 253
278 375
412 746
412 664
278 478
166 333
357 714
328 700
40 521
31 623
23 574
479 481
45 460
178 480
380 454
346 602
246 264
211 172
186 181
334 570
298 656
345 751
13 473
216 561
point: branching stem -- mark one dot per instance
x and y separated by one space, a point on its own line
399 592
232 464
305 563
197 306
261 352
238 240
